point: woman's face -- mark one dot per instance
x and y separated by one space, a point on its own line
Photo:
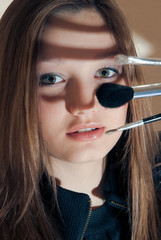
75 57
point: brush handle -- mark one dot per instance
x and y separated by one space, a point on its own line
149 90
144 61
153 118
122 59
144 121
130 126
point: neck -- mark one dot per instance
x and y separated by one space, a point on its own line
85 178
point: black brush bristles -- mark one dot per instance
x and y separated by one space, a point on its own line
112 95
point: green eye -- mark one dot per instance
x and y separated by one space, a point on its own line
104 73
49 79
107 72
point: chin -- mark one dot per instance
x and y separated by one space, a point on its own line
85 152
86 155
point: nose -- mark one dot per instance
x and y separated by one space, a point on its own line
81 98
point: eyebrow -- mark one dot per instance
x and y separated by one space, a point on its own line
63 53
108 54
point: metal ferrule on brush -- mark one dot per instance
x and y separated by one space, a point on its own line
142 122
131 125
149 90
143 61
122 59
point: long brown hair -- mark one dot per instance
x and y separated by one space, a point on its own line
23 156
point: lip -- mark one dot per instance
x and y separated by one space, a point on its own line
88 135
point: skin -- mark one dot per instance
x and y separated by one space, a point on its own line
76 46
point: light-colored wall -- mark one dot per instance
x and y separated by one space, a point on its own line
3 5
144 17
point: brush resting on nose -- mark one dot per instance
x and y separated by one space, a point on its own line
114 95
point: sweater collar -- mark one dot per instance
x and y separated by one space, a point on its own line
113 189
75 207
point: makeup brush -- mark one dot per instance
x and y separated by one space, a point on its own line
144 121
121 59
114 95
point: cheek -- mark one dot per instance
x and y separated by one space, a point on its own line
117 116
122 114
50 114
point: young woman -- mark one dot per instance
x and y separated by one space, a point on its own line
61 176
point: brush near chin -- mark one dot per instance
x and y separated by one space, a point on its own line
142 122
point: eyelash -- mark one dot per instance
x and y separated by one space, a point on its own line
48 79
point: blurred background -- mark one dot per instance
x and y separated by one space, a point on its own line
144 18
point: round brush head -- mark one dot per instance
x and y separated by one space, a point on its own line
113 95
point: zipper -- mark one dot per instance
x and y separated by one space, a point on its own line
118 204
88 218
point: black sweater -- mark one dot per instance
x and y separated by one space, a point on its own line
78 220
107 222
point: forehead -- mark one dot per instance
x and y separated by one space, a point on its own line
77 35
